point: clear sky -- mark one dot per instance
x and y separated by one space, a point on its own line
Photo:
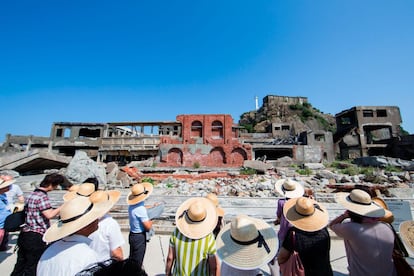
113 61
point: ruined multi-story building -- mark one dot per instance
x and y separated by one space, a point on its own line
367 131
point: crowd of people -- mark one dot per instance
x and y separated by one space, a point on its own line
86 240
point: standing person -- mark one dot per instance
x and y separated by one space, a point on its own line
244 245
139 222
4 211
368 242
192 249
288 188
107 241
69 251
308 236
220 213
39 211
15 198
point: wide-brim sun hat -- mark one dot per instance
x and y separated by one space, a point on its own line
289 188
406 230
111 195
389 216
306 214
6 183
196 217
247 243
360 202
74 215
85 189
214 199
139 192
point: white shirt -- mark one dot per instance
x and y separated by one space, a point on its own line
13 194
67 256
107 238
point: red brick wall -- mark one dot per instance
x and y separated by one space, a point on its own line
216 147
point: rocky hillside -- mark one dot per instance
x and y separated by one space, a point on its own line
294 111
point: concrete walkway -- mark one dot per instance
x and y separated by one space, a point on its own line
156 254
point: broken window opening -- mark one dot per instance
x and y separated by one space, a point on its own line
381 113
368 113
196 129
89 133
217 130
320 137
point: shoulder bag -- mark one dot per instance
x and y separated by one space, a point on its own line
15 221
293 266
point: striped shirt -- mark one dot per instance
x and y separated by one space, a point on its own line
191 255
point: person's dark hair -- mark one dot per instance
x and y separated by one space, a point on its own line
355 217
94 181
53 179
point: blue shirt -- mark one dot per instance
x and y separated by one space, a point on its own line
4 210
137 215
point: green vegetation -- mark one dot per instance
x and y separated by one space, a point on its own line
196 165
148 179
248 127
169 185
248 171
306 171
392 169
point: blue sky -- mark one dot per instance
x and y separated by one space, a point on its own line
113 61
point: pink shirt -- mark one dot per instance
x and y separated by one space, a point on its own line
368 247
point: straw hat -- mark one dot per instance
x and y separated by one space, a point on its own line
74 215
139 192
196 217
246 243
6 183
111 195
388 217
289 188
360 202
214 199
306 214
407 234
85 189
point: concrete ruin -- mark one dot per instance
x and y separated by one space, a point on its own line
214 140
367 131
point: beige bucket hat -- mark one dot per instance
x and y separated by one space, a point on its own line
360 202
289 188
246 243
196 217
139 192
74 215
214 199
306 214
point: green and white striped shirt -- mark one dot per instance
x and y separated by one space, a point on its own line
191 255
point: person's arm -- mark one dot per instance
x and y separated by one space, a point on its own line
283 255
212 264
170 261
117 254
51 213
339 219
147 225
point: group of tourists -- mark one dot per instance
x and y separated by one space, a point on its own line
86 240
